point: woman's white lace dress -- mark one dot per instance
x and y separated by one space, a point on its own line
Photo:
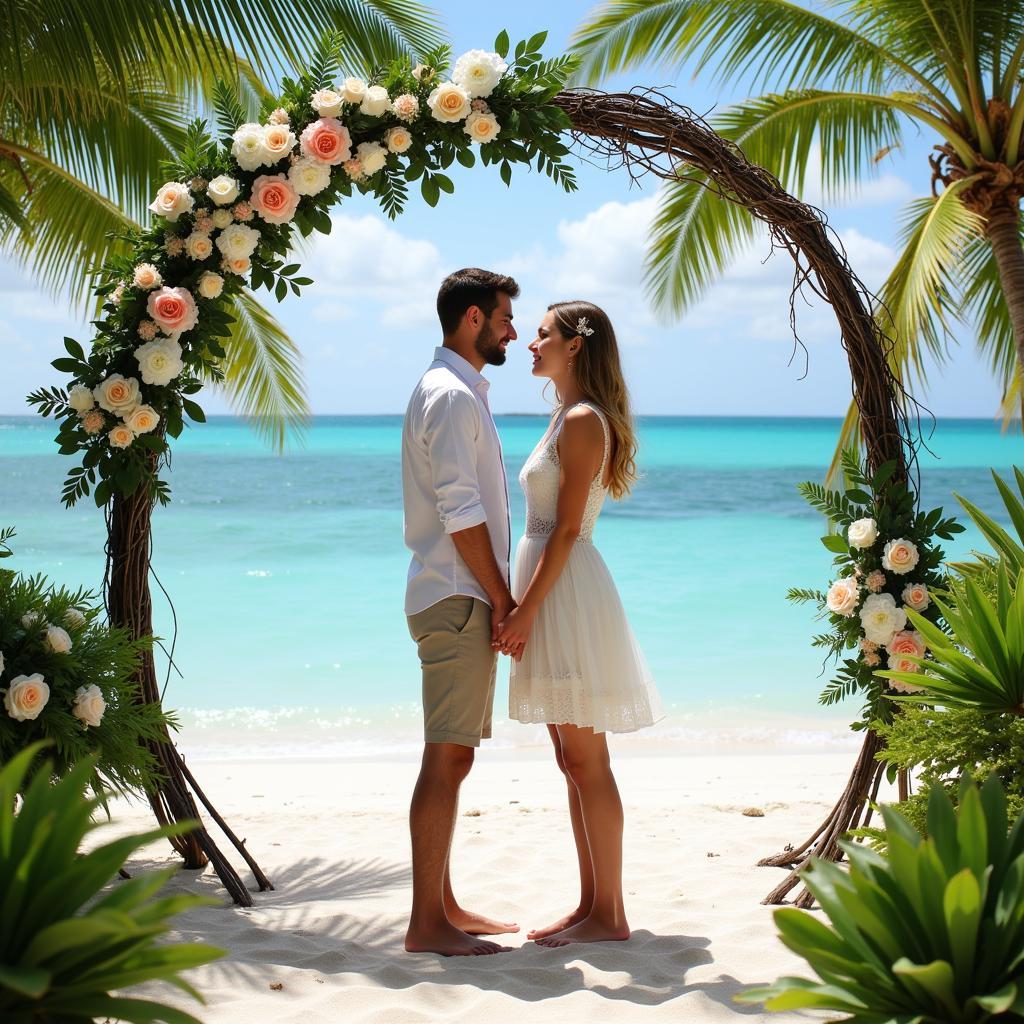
581 665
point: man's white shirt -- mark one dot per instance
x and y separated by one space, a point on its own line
453 478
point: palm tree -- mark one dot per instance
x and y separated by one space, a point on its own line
94 96
852 85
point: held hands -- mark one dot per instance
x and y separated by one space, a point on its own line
500 608
514 631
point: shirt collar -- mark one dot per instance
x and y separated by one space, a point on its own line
473 377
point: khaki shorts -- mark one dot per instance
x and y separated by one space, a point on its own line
453 638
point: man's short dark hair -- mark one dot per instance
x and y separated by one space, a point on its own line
470 286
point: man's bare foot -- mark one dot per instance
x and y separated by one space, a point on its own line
587 930
559 926
450 941
477 924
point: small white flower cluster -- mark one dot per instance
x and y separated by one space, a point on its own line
26 695
883 621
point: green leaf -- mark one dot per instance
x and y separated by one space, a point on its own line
193 411
501 44
836 542
430 190
31 982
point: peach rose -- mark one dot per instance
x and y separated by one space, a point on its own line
26 697
843 596
147 277
117 393
449 102
398 139
121 436
274 199
173 309
900 556
905 642
143 419
240 266
916 596
172 200
279 140
326 140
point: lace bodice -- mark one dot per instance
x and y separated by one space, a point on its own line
539 480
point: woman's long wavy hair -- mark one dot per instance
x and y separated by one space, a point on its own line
598 373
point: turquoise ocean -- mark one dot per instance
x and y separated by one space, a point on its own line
287 573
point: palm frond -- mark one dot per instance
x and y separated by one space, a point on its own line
263 373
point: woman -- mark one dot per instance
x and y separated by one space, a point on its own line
575 663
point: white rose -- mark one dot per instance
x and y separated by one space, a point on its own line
89 705
398 140
238 241
29 620
309 177
121 436
353 90
862 533
449 103
843 596
881 618
210 285
900 556
279 141
222 190
222 218
146 277
117 393
57 640
159 361
74 619
376 101
916 596
26 697
248 148
372 155
326 102
80 398
478 72
198 246
143 419
172 201
482 127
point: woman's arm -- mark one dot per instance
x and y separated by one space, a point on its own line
580 453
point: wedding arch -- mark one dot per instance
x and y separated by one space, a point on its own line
235 203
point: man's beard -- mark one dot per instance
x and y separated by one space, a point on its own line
488 347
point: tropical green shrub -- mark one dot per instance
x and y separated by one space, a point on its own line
931 932
65 946
67 677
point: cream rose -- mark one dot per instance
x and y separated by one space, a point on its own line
142 419
80 398
279 141
916 596
89 705
240 266
308 176
326 140
26 697
881 618
248 148
482 128
353 90
398 140
376 101
173 309
274 199
146 277
198 246
121 436
326 102
57 640
172 200
222 218
900 556
448 103
210 285
405 107
222 190
478 72
117 393
843 596
238 241
159 361
372 155
74 619
862 533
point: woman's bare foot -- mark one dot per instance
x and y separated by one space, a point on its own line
477 924
567 922
450 941
588 930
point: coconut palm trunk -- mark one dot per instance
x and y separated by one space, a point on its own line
1002 229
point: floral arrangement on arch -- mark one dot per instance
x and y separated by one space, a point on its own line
227 215
67 677
886 562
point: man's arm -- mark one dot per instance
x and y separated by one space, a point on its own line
474 547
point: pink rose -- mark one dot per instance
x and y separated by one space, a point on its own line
173 309
274 199
916 596
326 140
905 642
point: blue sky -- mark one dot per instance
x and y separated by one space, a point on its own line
367 326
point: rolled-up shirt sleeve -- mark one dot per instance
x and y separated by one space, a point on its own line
451 424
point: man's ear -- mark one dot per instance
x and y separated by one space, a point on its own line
474 315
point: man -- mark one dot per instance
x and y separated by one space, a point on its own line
457 527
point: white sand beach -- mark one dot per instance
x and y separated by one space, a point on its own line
326 945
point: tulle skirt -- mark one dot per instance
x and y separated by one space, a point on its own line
581 665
